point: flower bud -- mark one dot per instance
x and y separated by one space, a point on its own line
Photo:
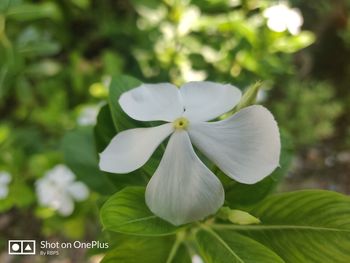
249 97
238 217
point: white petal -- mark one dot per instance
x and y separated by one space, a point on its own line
44 191
183 189
65 205
204 100
60 175
151 102
197 259
131 149
5 177
78 191
245 146
3 191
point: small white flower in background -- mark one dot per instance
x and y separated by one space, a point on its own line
197 259
281 17
245 146
58 190
88 115
5 179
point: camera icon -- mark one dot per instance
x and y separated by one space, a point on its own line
21 247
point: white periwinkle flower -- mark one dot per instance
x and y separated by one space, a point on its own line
245 146
5 179
58 190
281 17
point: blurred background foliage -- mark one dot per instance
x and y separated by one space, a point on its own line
57 57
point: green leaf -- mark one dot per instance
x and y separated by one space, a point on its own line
238 217
21 194
148 250
238 194
249 96
119 85
28 12
305 226
4 4
231 247
292 44
40 48
104 130
80 155
126 212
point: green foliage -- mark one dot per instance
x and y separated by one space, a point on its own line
104 130
57 57
30 12
303 226
308 111
229 246
148 250
233 44
81 157
126 212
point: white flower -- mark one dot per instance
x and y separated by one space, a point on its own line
88 115
196 259
246 146
5 179
58 190
281 17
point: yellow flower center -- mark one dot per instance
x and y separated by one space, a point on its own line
181 123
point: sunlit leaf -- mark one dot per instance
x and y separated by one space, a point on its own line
303 226
291 44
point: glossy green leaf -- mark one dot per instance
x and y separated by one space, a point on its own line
126 212
305 226
231 247
148 250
